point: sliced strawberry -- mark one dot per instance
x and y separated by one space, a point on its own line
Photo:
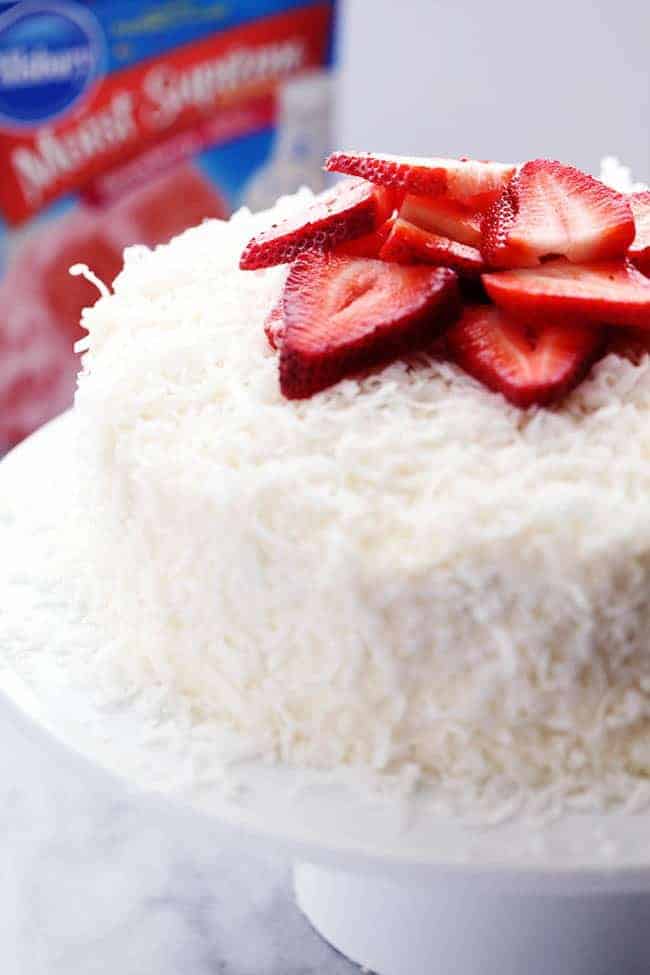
528 367
466 180
639 251
346 314
274 325
408 244
472 289
399 172
552 210
443 216
613 293
351 209
367 246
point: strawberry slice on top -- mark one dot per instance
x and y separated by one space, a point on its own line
274 325
408 244
369 245
552 210
351 209
346 314
610 293
443 216
639 251
468 181
528 367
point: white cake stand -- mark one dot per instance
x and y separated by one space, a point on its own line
395 886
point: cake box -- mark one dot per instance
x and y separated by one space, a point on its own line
124 123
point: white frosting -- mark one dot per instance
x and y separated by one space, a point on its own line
403 572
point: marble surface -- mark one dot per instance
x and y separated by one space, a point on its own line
97 881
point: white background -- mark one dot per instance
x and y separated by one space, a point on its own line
568 79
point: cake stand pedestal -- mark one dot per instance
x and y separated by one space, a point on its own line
396 886
450 928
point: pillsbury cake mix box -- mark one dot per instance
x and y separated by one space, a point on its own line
125 122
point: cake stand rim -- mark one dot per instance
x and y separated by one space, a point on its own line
539 874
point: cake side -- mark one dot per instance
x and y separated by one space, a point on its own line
403 572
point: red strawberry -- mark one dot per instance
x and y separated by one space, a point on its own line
346 314
351 209
527 367
612 293
367 246
552 210
407 244
274 325
466 180
443 216
639 251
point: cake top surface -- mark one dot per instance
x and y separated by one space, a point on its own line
418 461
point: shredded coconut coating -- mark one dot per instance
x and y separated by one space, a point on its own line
404 572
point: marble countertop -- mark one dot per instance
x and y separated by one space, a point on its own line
97 881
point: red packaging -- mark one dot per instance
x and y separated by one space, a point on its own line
125 123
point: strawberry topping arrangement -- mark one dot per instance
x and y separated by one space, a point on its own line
523 275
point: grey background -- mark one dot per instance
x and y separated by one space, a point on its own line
493 79
96 882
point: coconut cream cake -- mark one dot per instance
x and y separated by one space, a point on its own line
366 477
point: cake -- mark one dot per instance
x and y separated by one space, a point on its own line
403 571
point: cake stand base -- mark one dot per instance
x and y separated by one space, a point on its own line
399 888
451 929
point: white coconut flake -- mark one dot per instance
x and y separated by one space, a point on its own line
404 574
618 176
83 271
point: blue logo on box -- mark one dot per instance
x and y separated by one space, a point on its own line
50 53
